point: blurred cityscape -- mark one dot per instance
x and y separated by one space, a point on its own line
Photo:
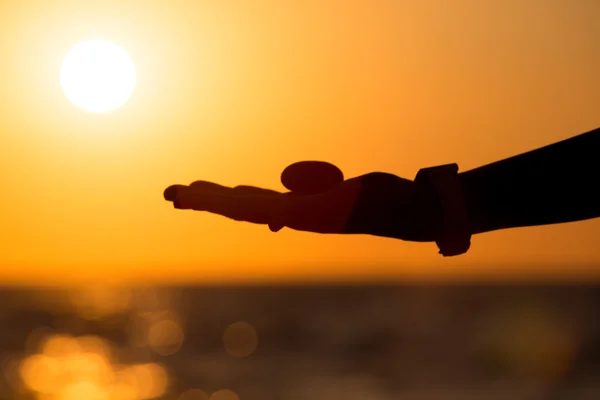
301 342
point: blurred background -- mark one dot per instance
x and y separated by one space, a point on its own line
425 342
110 294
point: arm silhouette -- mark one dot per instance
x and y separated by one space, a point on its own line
553 184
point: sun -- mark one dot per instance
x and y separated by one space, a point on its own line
98 76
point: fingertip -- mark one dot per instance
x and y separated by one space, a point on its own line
170 193
278 220
275 227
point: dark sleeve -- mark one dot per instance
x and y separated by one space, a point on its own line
553 184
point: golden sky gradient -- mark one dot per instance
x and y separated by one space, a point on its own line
234 91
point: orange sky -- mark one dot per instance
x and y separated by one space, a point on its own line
233 91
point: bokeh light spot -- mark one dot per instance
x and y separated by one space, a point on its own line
84 389
165 337
147 380
40 373
95 345
60 346
69 368
240 339
224 394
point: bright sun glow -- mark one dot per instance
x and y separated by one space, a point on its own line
98 76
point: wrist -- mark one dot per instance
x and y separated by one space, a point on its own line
476 207
454 237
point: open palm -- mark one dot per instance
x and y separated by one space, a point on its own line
377 203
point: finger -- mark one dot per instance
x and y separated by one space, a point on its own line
253 190
256 209
170 193
240 189
285 211
209 187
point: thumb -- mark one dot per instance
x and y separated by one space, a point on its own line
281 215
277 223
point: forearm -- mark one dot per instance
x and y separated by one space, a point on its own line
554 184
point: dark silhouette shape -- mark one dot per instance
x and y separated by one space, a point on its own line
553 184
311 177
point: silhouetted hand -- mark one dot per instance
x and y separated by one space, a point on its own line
377 203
